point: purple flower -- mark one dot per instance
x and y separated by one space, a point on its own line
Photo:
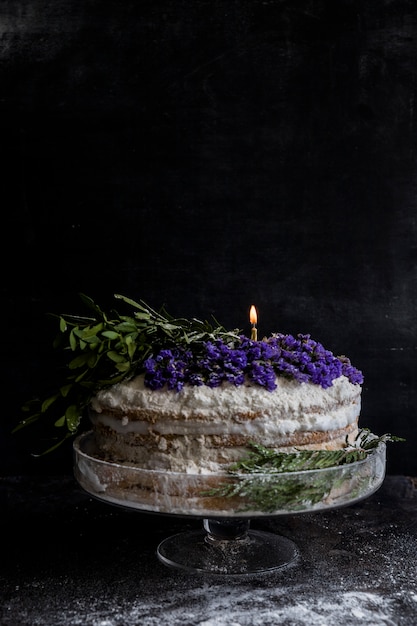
214 362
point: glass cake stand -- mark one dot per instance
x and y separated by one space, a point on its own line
226 545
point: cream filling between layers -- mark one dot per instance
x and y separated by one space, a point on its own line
267 427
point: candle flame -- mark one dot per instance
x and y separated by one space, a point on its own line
253 316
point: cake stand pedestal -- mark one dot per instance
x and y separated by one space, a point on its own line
226 545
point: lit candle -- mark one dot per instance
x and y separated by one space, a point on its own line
253 316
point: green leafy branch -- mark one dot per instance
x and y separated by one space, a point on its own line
106 348
259 484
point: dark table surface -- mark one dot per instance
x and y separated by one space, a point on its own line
70 559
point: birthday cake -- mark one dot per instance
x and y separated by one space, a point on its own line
175 404
196 409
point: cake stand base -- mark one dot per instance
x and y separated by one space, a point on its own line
228 548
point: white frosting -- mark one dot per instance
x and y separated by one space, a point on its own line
291 407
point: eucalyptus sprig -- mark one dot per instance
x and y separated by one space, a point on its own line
260 484
105 348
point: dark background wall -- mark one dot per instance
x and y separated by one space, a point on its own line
208 155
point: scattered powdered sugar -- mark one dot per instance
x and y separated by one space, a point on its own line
226 605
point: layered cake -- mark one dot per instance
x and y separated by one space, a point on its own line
176 405
197 410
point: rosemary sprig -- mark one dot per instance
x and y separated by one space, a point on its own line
266 461
105 348
259 483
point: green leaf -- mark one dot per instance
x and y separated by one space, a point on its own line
80 377
131 348
128 300
85 336
55 446
93 306
79 361
60 422
126 327
123 366
92 360
73 339
72 417
115 356
62 325
110 334
27 422
142 316
64 391
90 331
89 340
48 402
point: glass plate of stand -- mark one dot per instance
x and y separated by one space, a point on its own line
226 545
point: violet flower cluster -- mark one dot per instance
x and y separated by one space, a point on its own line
214 362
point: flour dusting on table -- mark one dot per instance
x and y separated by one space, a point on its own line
225 605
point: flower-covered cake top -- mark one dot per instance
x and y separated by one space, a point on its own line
300 358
